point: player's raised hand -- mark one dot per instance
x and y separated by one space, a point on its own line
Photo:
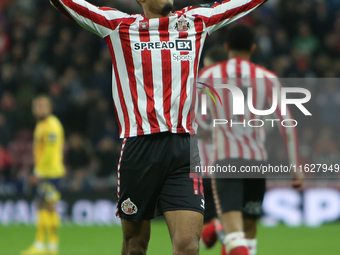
33 180
297 179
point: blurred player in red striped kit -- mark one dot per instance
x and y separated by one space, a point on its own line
213 56
155 58
239 201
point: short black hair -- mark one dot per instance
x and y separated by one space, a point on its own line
240 37
217 54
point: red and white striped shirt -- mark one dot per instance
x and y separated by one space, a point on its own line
205 150
239 141
155 61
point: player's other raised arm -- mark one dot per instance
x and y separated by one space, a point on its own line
101 21
289 134
221 13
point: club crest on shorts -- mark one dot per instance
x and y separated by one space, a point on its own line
129 207
182 25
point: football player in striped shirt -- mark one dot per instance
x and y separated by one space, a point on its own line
155 58
239 201
48 171
212 226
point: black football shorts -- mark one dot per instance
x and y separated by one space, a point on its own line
244 195
210 209
154 173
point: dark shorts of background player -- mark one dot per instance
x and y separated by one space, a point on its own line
244 195
42 187
210 209
155 174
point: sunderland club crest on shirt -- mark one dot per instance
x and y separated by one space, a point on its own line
182 25
128 207
143 24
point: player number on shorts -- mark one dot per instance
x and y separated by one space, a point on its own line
203 203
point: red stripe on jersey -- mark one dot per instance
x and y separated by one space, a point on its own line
185 66
166 70
148 82
127 51
107 9
119 87
95 17
262 149
253 85
241 117
225 81
239 80
231 13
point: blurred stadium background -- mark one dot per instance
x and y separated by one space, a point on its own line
42 51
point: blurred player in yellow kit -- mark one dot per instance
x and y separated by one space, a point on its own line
48 171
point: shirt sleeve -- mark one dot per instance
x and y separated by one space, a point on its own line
99 20
289 134
219 14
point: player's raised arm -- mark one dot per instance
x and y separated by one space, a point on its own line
221 13
289 135
99 20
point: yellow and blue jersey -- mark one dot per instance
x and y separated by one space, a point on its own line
48 149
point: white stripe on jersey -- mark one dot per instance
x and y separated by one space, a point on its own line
122 71
232 138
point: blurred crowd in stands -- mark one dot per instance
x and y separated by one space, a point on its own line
41 51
